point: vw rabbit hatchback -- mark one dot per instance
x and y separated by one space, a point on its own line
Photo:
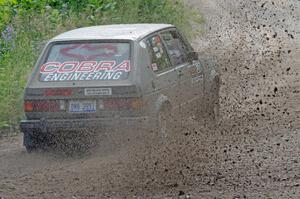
115 75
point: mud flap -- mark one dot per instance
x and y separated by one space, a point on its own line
29 142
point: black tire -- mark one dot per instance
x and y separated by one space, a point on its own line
213 102
30 142
73 142
31 149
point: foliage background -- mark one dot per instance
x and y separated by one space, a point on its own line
26 25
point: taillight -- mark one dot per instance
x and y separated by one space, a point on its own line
115 104
121 104
41 106
28 106
137 103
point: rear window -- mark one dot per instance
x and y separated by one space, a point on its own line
86 61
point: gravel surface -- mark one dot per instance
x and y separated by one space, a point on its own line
253 152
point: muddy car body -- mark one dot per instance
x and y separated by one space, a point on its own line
114 75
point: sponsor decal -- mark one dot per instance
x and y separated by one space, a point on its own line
154 67
158 55
97 91
143 45
198 65
84 71
155 49
196 71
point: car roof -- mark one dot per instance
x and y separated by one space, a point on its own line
120 31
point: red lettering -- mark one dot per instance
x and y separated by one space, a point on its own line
68 67
105 65
124 66
50 67
86 66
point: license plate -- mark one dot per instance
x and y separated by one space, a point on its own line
83 106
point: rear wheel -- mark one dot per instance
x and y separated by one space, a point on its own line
30 142
72 142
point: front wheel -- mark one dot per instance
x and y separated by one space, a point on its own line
164 123
213 103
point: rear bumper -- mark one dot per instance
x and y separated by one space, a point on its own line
73 124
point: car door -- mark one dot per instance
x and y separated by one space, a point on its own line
165 78
195 69
178 53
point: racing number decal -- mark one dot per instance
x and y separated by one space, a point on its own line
196 71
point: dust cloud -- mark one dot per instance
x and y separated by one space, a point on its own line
252 152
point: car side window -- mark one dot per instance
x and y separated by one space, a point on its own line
159 58
188 46
176 48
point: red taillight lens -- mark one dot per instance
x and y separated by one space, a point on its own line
28 106
115 104
121 104
137 103
41 106
58 92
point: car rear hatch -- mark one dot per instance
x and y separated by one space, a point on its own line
84 79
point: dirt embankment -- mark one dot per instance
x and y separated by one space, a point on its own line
253 152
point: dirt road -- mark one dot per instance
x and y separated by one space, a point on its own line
252 153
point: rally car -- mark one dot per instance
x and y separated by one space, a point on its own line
115 75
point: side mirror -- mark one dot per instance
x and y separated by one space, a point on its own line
192 56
